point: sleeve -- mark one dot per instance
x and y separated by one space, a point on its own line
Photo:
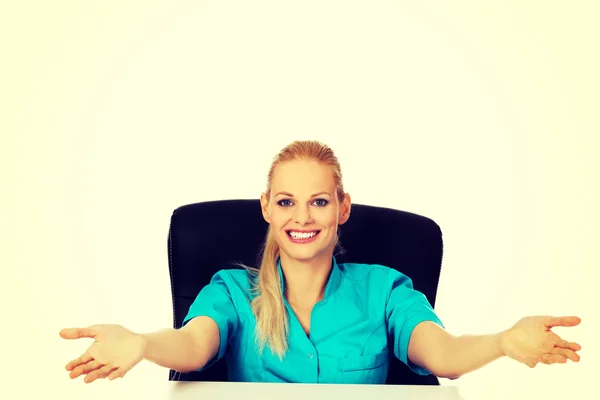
214 301
405 309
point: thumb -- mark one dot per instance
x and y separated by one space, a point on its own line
77 333
562 321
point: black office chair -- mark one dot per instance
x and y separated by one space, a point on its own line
209 236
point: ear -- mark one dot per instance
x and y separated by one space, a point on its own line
345 208
264 206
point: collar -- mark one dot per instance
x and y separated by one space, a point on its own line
332 284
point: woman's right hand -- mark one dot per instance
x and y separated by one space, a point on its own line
114 352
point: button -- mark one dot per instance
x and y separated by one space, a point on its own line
310 355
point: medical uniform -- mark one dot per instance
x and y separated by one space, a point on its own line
366 316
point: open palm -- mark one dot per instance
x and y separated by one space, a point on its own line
531 341
114 352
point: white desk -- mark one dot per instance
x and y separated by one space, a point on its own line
289 391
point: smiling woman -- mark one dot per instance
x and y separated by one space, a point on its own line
323 322
304 203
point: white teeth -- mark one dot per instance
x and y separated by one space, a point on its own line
302 235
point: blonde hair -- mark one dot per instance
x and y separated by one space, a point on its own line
268 304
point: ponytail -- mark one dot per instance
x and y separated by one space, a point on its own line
268 306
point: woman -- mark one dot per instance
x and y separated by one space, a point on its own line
301 317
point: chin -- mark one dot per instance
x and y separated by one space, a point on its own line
304 255
300 255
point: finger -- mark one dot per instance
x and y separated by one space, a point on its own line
567 345
568 353
531 362
85 369
100 373
546 359
553 358
119 373
562 321
77 333
83 359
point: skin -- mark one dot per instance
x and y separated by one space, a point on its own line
303 198
116 350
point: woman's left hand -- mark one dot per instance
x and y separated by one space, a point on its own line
531 341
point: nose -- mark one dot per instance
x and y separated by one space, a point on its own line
302 215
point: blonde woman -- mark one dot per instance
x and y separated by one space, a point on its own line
302 317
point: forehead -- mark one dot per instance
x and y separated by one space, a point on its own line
301 177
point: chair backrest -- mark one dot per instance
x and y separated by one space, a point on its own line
209 236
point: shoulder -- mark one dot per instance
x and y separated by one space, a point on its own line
373 274
229 286
232 279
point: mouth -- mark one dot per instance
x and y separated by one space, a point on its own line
302 236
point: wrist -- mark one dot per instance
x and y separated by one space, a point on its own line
499 343
143 339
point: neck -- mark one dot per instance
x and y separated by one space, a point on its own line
305 281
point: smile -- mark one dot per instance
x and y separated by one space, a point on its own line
302 237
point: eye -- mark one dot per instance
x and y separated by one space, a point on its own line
321 202
284 203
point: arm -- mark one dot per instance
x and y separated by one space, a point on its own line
529 341
211 323
187 349
406 310
116 350
421 342
449 356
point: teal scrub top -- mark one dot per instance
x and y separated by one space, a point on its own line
368 312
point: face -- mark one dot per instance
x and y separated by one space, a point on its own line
304 211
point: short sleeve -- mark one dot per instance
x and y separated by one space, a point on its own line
214 301
405 309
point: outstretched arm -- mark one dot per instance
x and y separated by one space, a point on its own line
530 341
116 350
187 349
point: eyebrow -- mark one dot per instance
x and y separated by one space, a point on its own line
291 195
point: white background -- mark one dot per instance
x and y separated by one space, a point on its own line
114 113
